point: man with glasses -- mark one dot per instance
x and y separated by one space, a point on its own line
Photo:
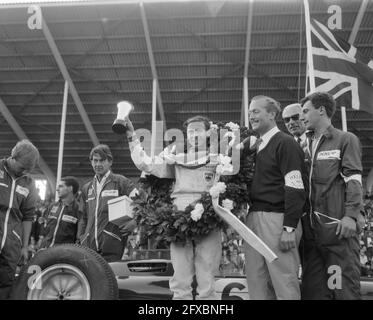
18 197
292 119
291 116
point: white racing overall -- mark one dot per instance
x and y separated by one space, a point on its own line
200 258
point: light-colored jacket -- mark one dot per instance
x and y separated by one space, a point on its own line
193 173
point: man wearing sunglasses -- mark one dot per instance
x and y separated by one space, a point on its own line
292 119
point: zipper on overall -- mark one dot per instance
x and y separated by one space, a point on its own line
11 198
112 235
12 191
96 211
311 172
57 226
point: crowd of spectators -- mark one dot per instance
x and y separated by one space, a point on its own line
232 261
38 225
366 240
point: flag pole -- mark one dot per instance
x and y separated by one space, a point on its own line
62 136
245 102
306 84
344 119
154 118
309 45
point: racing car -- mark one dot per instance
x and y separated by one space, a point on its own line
74 272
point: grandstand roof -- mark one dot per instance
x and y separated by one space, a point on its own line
199 58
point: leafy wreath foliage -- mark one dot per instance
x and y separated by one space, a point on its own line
159 218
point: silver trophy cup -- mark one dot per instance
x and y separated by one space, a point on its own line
120 123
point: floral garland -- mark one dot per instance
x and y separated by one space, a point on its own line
159 218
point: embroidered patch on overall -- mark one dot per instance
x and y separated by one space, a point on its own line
23 191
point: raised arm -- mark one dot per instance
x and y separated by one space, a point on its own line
157 166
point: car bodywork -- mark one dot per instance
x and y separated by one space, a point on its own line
149 280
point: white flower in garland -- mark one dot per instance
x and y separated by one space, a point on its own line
217 189
213 126
227 204
219 169
233 126
224 165
197 212
224 160
224 170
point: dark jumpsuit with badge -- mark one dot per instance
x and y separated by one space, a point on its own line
101 235
17 204
62 224
331 265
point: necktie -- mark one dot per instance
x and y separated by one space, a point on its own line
299 140
257 144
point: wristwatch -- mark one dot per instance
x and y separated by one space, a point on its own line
288 229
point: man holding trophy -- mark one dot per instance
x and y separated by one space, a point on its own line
200 258
195 174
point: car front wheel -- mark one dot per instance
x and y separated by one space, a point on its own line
66 272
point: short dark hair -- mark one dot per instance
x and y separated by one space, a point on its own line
321 99
71 182
205 120
271 104
103 151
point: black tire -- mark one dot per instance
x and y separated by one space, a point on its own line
101 279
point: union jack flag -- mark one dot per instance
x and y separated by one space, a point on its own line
340 70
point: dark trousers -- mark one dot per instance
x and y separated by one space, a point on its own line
112 249
331 267
9 258
7 277
331 272
111 240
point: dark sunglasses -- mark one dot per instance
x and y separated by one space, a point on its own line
294 118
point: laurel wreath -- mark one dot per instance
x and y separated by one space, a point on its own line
160 219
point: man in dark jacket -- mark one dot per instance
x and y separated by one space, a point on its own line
331 255
63 216
101 235
18 197
278 198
